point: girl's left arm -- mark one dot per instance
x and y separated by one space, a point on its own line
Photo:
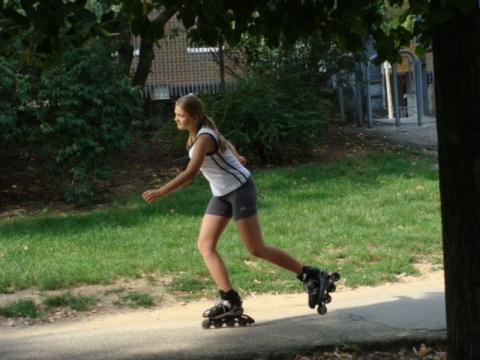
235 153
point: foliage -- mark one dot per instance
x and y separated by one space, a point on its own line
87 112
43 30
271 117
316 59
282 97
8 96
73 116
19 84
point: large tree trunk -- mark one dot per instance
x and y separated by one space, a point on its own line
456 51
144 62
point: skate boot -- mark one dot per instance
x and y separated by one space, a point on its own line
319 284
228 311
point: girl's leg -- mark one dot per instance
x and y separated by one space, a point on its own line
251 234
314 278
210 232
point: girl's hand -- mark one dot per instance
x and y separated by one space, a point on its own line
242 160
150 195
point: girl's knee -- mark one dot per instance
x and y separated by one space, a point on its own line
257 251
205 247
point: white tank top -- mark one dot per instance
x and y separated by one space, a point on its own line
222 170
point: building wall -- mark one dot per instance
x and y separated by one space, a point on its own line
180 68
406 66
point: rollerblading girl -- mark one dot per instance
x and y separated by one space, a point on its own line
234 196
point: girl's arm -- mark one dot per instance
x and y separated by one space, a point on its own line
203 145
240 158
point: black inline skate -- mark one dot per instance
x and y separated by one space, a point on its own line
228 311
319 284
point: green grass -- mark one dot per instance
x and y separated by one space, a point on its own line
25 308
370 219
136 300
74 302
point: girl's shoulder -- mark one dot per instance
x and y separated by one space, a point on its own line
205 130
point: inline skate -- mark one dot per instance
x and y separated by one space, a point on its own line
319 284
228 311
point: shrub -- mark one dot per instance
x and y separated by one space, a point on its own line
73 116
18 86
88 108
271 118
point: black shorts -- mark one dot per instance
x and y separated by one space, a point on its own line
240 203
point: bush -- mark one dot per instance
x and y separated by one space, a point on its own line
81 112
18 86
88 109
73 116
271 118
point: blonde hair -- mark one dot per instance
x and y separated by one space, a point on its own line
194 106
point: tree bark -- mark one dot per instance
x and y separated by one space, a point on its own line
146 45
144 62
456 51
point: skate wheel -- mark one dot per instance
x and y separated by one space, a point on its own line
322 310
206 324
328 299
230 323
218 324
336 276
242 322
332 288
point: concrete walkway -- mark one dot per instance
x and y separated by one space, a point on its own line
410 312
408 133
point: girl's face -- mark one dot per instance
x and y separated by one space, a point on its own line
185 121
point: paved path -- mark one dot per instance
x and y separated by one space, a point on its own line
409 312
408 133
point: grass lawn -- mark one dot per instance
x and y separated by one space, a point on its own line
370 219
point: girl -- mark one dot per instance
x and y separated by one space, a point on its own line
234 195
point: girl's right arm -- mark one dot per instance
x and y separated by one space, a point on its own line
203 145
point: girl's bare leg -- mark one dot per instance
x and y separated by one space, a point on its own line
210 232
251 234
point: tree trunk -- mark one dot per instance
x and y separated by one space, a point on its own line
126 48
456 51
146 45
144 62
